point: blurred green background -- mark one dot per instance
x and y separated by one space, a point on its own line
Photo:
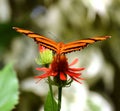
63 20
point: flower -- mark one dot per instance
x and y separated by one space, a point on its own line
45 56
60 69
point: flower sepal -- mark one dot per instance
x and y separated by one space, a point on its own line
60 83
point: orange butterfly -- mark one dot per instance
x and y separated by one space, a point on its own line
60 47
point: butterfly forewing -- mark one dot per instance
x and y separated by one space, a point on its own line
78 45
48 43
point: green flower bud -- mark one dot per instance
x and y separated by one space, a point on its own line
45 57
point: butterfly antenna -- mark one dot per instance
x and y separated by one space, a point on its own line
53 36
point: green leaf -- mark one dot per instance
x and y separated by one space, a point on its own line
50 104
8 88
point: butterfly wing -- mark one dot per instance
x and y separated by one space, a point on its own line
80 44
57 47
46 42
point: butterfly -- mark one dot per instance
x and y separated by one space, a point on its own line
59 47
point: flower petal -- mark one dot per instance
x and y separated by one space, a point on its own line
41 48
42 69
76 80
48 73
74 62
76 69
54 73
43 75
63 76
73 74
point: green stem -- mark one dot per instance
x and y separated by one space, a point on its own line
51 92
59 97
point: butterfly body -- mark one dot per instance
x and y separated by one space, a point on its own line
60 48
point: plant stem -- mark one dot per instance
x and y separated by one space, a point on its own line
59 97
51 92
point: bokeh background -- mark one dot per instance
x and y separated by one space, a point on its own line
64 20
